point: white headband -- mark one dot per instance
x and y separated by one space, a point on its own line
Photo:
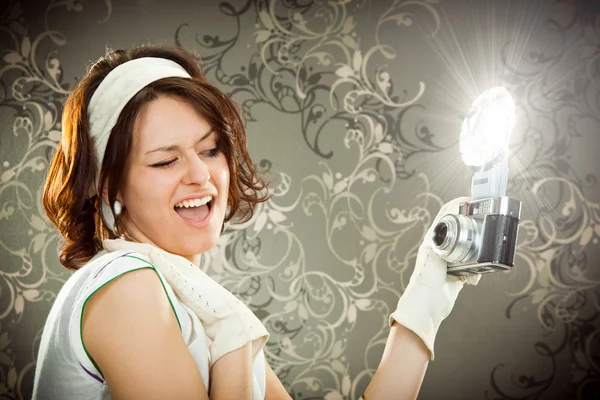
115 91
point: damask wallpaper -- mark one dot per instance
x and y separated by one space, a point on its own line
354 107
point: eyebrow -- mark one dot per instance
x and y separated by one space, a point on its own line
174 147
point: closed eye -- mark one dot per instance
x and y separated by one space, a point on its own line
163 164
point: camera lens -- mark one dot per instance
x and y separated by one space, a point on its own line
439 233
454 238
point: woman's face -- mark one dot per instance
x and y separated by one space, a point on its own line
174 168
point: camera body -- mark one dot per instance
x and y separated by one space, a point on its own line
481 238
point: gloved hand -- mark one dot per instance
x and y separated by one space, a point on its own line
431 292
227 322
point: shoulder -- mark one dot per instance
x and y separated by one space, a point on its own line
98 272
106 267
129 301
126 278
116 260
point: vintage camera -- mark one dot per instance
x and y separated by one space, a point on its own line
482 237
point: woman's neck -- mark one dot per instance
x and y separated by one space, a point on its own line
133 234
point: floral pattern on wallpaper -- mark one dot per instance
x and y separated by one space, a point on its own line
319 62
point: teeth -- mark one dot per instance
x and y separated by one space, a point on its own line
194 202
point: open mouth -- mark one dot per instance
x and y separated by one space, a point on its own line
195 210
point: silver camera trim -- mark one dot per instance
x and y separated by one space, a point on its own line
492 205
477 268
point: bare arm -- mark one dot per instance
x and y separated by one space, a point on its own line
231 376
402 367
399 375
274 388
132 334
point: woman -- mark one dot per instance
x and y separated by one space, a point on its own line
153 160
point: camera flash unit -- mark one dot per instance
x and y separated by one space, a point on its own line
482 237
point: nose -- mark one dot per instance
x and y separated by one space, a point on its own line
196 171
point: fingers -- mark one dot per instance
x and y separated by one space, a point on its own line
467 280
472 279
430 270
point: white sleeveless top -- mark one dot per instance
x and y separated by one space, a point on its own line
65 371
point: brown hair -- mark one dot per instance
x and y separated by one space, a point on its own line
73 168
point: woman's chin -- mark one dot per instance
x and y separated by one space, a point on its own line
190 248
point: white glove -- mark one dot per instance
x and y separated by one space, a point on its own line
431 292
226 320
